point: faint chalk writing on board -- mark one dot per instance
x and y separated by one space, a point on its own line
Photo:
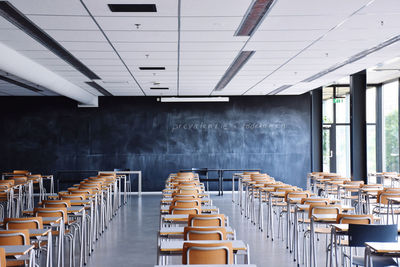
226 126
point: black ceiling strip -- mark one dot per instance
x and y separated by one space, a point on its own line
112 46
159 88
132 7
20 84
99 88
151 68
14 16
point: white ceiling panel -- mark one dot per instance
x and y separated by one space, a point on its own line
219 46
212 8
87 46
276 46
298 23
316 7
210 23
50 7
287 36
164 8
211 36
128 24
76 36
77 23
145 47
143 36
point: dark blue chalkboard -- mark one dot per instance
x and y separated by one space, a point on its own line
45 134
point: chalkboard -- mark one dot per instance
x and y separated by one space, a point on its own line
45 134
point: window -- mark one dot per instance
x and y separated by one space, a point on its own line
371 129
390 126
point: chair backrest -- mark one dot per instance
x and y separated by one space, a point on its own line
73 196
359 234
250 173
63 203
177 194
204 233
186 203
206 220
23 223
296 194
52 212
14 237
21 172
314 200
2 257
179 210
319 208
18 179
207 253
185 175
383 196
355 218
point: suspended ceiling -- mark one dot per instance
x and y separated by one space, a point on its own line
194 40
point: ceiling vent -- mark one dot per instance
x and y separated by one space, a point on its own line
132 7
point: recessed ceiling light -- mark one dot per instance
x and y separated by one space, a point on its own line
151 68
254 16
279 89
99 88
115 82
20 84
132 7
234 68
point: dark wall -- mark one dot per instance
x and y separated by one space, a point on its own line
45 134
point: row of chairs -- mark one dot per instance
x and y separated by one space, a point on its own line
79 215
311 212
186 191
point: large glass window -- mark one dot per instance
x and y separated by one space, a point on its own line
390 126
371 129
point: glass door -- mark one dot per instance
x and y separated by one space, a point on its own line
336 129
328 148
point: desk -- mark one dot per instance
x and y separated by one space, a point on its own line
207 265
181 218
139 173
19 251
391 249
220 174
178 230
204 209
39 235
169 248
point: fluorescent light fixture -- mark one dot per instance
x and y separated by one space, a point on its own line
353 58
20 84
25 68
193 99
234 68
99 88
279 89
14 16
253 17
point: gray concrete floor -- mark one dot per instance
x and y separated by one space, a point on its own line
131 239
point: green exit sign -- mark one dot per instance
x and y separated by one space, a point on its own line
338 100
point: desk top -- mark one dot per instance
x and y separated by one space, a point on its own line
17 250
177 245
38 232
178 230
51 220
207 265
384 247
